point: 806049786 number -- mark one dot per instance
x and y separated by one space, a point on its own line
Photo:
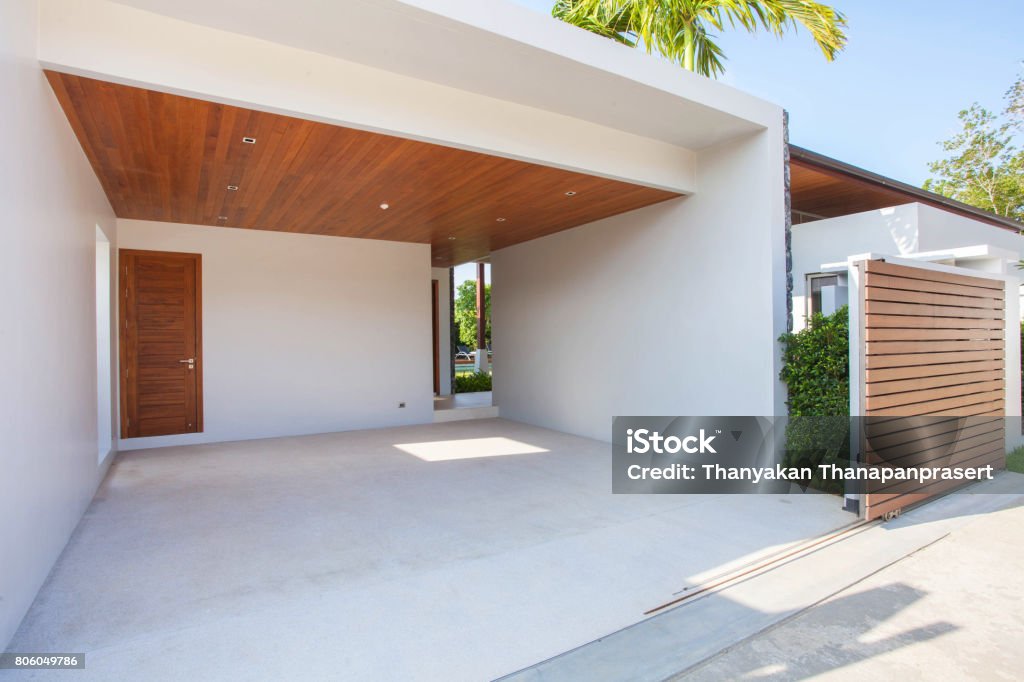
50 661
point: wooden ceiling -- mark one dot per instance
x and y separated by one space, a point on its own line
171 158
826 188
825 194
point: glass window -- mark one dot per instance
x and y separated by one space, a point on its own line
815 283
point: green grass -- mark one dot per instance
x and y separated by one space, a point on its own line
1015 461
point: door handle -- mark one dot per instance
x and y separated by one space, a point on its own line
191 362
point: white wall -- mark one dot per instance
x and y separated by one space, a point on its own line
672 309
303 333
48 385
897 231
444 323
890 230
944 230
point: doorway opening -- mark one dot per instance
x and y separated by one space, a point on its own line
467 356
104 375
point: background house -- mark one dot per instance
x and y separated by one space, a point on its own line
840 210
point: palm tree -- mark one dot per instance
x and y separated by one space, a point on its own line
678 29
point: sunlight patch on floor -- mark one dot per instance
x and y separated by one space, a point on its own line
467 448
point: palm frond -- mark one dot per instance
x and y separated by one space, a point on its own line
709 58
825 24
597 16
679 29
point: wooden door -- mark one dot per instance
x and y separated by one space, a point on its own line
435 318
160 343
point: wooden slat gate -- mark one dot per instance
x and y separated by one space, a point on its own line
933 385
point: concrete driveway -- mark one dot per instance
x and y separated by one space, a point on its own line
456 551
953 610
934 594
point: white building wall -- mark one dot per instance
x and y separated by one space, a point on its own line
444 292
672 309
899 231
303 333
944 230
49 462
889 230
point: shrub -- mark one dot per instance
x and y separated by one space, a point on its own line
472 383
1015 460
816 370
816 366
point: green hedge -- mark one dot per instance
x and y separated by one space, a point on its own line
472 383
816 366
816 370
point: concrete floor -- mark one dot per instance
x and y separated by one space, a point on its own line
455 551
952 611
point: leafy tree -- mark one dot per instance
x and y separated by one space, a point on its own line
983 167
680 29
465 312
1015 103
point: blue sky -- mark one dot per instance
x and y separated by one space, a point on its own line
910 66
895 91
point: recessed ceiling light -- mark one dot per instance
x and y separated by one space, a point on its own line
501 220
384 207
570 194
232 188
437 258
222 217
451 239
249 140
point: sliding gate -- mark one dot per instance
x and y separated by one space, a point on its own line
932 366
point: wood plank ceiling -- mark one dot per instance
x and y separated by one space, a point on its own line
819 193
170 158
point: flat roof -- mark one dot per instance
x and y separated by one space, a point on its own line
499 50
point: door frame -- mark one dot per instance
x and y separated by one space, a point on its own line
122 326
435 298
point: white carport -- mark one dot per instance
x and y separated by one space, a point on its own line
288 318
